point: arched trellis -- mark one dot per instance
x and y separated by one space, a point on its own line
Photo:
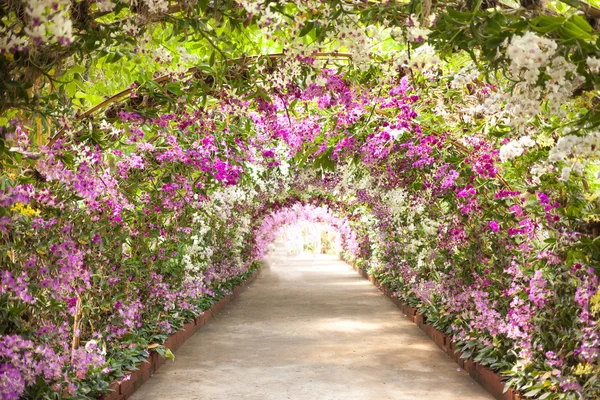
375 109
241 60
289 215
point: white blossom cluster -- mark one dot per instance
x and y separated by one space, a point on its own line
423 257
529 53
538 170
268 16
417 32
154 6
398 202
576 152
346 184
414 245
49 21
225 200
466 75
430 226
49 18
10 42
283 154
593 64
214 214
197 257
354 39
515 148
422 58
348 36
105 5
149 6
162 56
132 29
287 73
542 76
256 172
46 21
110 129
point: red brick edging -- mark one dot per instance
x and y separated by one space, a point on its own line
491 381
147 368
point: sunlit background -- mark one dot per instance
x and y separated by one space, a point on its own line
309 237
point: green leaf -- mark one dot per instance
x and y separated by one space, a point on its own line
493 27
533 392
71 88
116 56
307 28
77 69
174 88
169 354
459 16
574 31
264 96
417 185
466 354
546 24
582 23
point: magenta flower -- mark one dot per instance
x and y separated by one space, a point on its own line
494 226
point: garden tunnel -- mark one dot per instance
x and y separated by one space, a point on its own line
453 145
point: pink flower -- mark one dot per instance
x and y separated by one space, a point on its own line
494 226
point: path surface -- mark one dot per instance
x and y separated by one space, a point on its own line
310 329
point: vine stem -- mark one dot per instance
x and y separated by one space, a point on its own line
76 327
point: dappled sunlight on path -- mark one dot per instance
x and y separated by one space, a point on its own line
310 328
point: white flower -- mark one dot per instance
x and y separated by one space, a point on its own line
511 150
594 64
395 133
577 168
157 6
321 81
466 75
130 28
576 148
422 58
530 52
49 20
105 5
527 141
62 29
537 170
10 43
417 34
530 57
565 174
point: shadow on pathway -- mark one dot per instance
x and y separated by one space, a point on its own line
310 329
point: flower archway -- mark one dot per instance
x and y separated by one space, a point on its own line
272 224
455 150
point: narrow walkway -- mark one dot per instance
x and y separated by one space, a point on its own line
310 329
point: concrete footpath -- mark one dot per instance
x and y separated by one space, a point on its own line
310 329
